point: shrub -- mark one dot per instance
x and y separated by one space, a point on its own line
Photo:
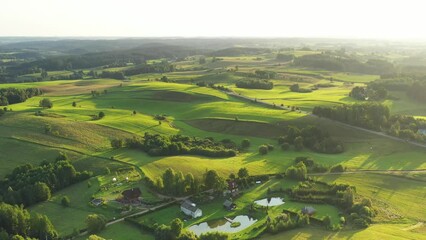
46 103
337 168
65 201
245 143
285 146
263 149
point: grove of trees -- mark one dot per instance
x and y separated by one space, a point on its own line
14 95
255 84
172 145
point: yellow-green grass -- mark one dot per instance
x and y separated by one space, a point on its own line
352 77
405 105
395 197
374 232
122 231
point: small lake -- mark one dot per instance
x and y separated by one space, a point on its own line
270 202
222 225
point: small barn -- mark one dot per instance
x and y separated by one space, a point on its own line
229 205
308 210
190 209
131 196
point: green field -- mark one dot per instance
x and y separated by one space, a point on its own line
131 107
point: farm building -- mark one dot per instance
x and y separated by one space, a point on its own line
190 209
131 196
229 205
308 210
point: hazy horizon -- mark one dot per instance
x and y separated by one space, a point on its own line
396 20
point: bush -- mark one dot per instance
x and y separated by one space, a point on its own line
285 146
263 149
245 143
95 223
101 115
46 103
65 201
337 168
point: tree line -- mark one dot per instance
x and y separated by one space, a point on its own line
172 145
370 115
255 84
311 137
28 184
345 64
376 116
15 95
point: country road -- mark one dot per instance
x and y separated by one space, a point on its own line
336 122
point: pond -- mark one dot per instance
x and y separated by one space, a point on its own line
223 225
270 202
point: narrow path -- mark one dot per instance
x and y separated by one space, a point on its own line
381 134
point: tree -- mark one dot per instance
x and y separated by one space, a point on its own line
245 143
41 192
46 103
101 115
42 228
298 143
285 146
212 180
74 104
44 74
117 143
95 223
327 222
243 173
176 226
65 201
95 237
263 149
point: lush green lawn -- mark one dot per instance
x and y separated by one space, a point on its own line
374 232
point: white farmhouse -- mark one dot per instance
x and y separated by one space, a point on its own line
190 209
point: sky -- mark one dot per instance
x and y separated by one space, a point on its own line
391 19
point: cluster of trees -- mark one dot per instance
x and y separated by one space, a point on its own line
113 75
161 67
297 172
373 92
361 213
284 57
284 222
28 185
368 115
162 145
341 195
176 184
311 165
407 127
175 231
46 103
296 88
311 137
263 74
255 84
265 149
14 95
95 223
17 223
417 91
345 64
